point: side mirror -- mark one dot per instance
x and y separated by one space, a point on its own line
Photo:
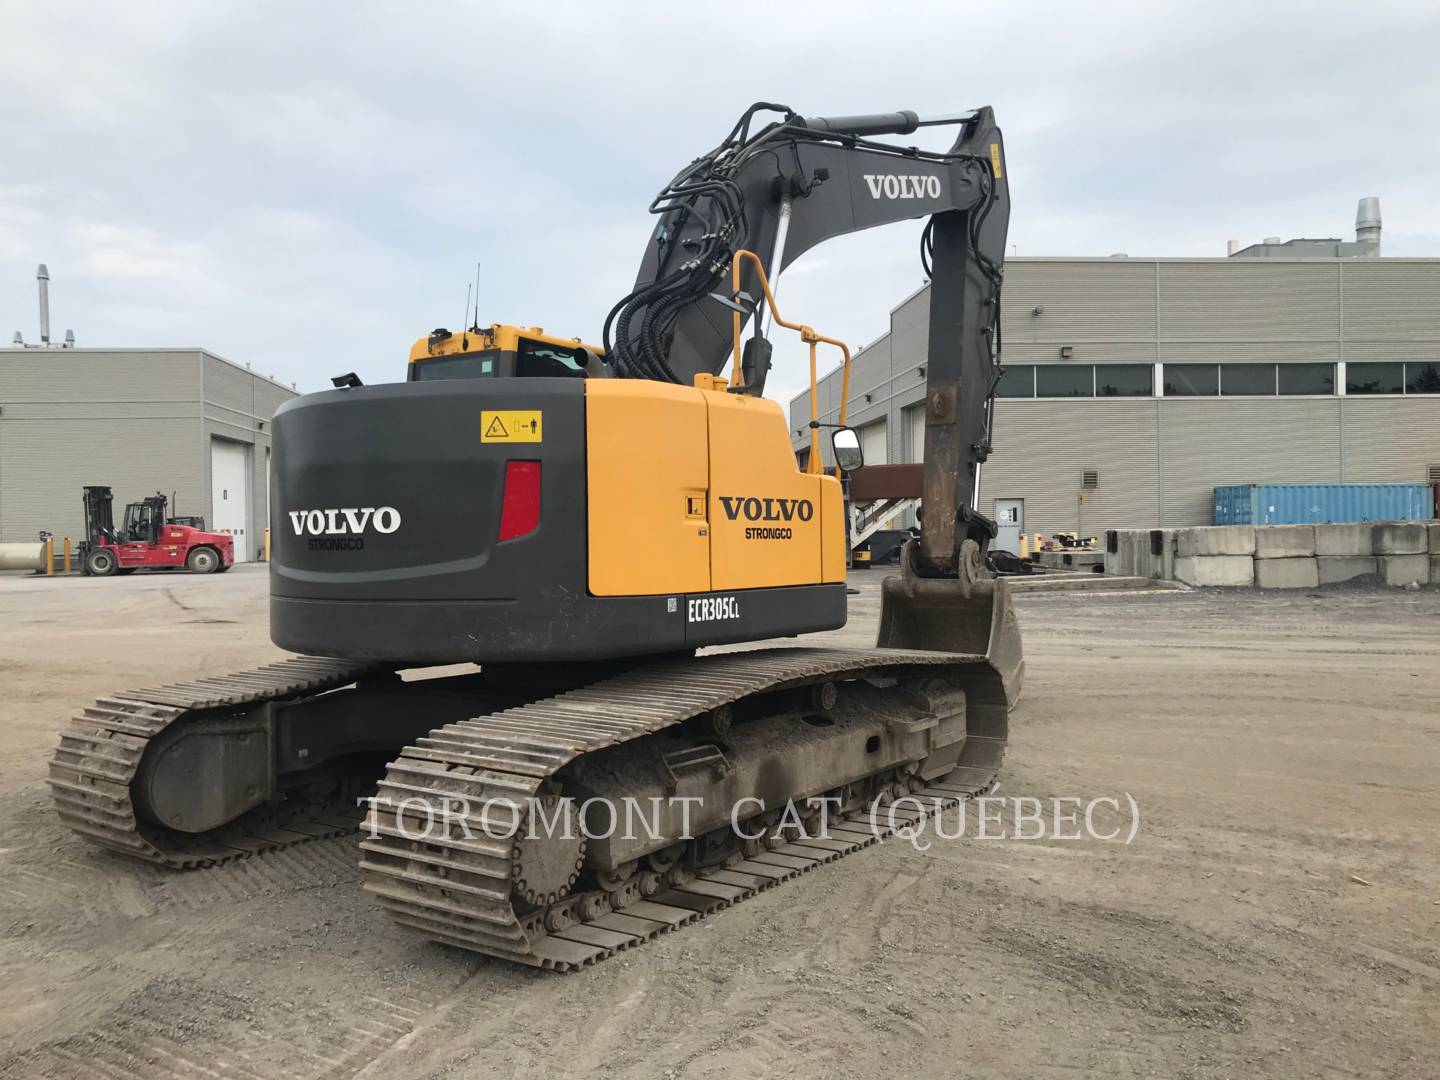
848 455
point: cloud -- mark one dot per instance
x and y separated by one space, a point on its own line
309 187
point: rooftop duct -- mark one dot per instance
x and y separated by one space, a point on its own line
1367 224
42 278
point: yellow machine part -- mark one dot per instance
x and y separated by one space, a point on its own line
498 336
646 461
696 490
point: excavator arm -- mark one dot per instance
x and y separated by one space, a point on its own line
794 184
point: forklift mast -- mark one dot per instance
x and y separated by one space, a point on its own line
99 522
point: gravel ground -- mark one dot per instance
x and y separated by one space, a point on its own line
1276 914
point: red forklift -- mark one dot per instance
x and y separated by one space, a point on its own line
147 539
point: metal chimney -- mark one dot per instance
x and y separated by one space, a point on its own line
42 277
1232 246
69 339
1367 224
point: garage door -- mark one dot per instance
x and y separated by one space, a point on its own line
230 493
915 421
872 442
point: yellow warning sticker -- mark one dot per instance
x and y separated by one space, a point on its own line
995 160
510 426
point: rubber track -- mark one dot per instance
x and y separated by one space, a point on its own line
457 890
101 749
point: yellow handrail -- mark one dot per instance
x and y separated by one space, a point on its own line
807 335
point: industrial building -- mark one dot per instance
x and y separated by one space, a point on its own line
1134 387
183 422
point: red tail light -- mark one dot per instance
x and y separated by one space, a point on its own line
520 515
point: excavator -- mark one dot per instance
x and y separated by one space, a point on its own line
498 577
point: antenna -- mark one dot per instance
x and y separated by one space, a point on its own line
464 319
476 324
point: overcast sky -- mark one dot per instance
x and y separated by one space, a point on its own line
307 187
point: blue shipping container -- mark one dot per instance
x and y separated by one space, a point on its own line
1306 504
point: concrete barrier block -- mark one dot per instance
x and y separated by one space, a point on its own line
1335 568
1166 561
1217 540
1233 570
1287 573
1284 541
1401 538
1347 540
1401 570
1435 569
1434 530
1121 562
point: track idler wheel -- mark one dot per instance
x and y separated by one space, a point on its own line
545 868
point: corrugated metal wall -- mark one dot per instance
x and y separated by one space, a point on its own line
1392 300
1206 443
69 418
1160 458
129 418
1249 300
1120 445
1111 300
1389 441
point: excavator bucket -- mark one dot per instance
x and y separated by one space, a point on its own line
956 616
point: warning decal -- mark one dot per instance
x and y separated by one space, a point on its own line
510 426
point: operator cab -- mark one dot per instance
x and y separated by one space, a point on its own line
143 521
501 352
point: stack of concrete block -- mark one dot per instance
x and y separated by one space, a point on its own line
1218 555
1402 552
1285 557
1280 556
1345 551
1135 554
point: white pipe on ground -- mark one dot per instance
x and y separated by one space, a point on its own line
27 556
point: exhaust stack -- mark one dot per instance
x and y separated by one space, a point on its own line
42 278
1367 224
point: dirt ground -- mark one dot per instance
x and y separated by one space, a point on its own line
1276 915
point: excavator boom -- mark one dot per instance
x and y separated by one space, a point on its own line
796 183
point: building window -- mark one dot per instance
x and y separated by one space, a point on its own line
1247 380
1018 380
1065 380
1307 378
1124 380
1422 378
1192 380
1384 378
1077 380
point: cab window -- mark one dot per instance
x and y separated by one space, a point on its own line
476 365
538 359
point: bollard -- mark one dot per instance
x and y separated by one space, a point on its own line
67 554
50 556
1024 551
267 544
